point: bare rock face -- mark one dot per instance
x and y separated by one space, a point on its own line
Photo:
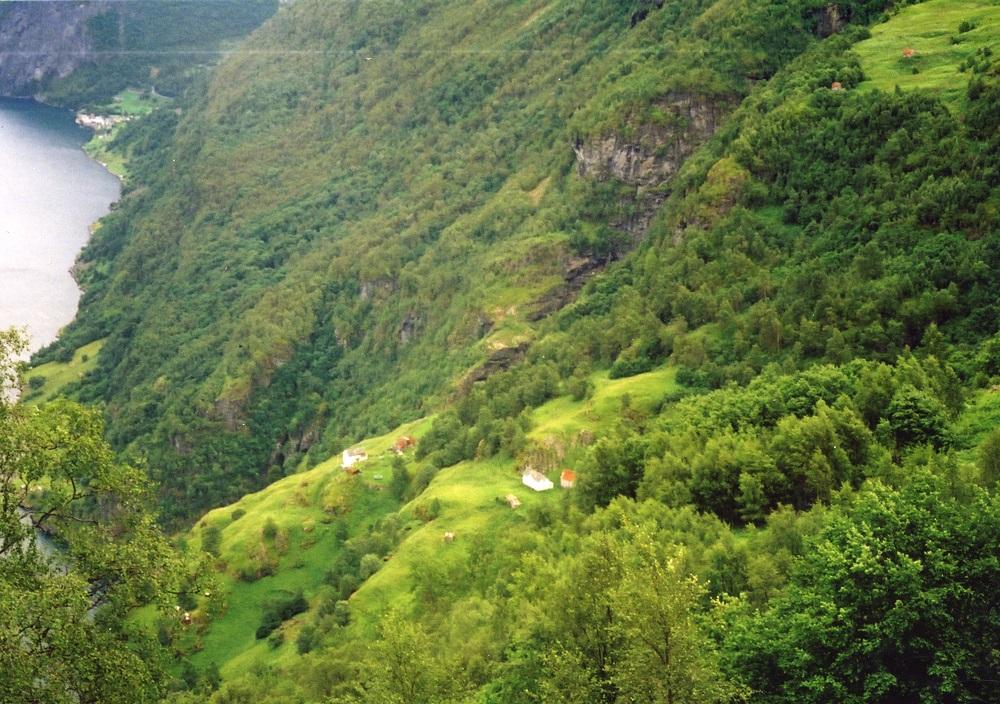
831 19
655 152
41 39
650 156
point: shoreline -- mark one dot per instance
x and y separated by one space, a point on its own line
79 120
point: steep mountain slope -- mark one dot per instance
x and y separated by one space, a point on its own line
374 198
707 255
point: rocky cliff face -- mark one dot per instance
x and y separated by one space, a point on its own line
41 39
652 154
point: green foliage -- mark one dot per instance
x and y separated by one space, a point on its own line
989 459
302 302
381 224
281 608
64 633
211 539
891 603
400 483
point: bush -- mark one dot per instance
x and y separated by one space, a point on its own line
238 514
270 530
342 613
400 482
630 367
349 584
307 639
370 564
580 387
211 540
989 458
36 382
281 608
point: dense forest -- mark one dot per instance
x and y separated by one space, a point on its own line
734 263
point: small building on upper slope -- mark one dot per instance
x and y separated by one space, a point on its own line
352 456
534 479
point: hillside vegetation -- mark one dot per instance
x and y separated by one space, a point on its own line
729 261
332 237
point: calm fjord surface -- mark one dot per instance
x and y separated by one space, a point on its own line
50 193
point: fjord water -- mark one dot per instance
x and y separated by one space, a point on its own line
50 193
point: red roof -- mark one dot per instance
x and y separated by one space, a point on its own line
568 475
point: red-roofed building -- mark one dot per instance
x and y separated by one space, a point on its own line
567 480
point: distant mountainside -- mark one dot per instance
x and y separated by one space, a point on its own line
79 51
43 40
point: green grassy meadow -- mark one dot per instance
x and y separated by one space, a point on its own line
931 29
305 508
563 415
135 103
308 506
56 375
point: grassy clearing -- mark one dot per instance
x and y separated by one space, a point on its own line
307 509
563 415
99 149
56 375
312 507
931 29
136 103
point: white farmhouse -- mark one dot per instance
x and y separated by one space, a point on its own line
352 457
534 479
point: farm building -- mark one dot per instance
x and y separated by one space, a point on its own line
567 480
534 479
353 456
512 501
403 443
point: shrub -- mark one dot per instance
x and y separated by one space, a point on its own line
342 613
307 639
211 540
370 564
279 610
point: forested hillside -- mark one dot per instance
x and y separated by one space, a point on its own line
326 242
734 263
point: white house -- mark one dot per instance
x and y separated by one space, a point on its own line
534 479
352 457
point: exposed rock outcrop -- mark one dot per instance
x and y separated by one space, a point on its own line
39 40
831 19
409 327
650 156
576 273
500 360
